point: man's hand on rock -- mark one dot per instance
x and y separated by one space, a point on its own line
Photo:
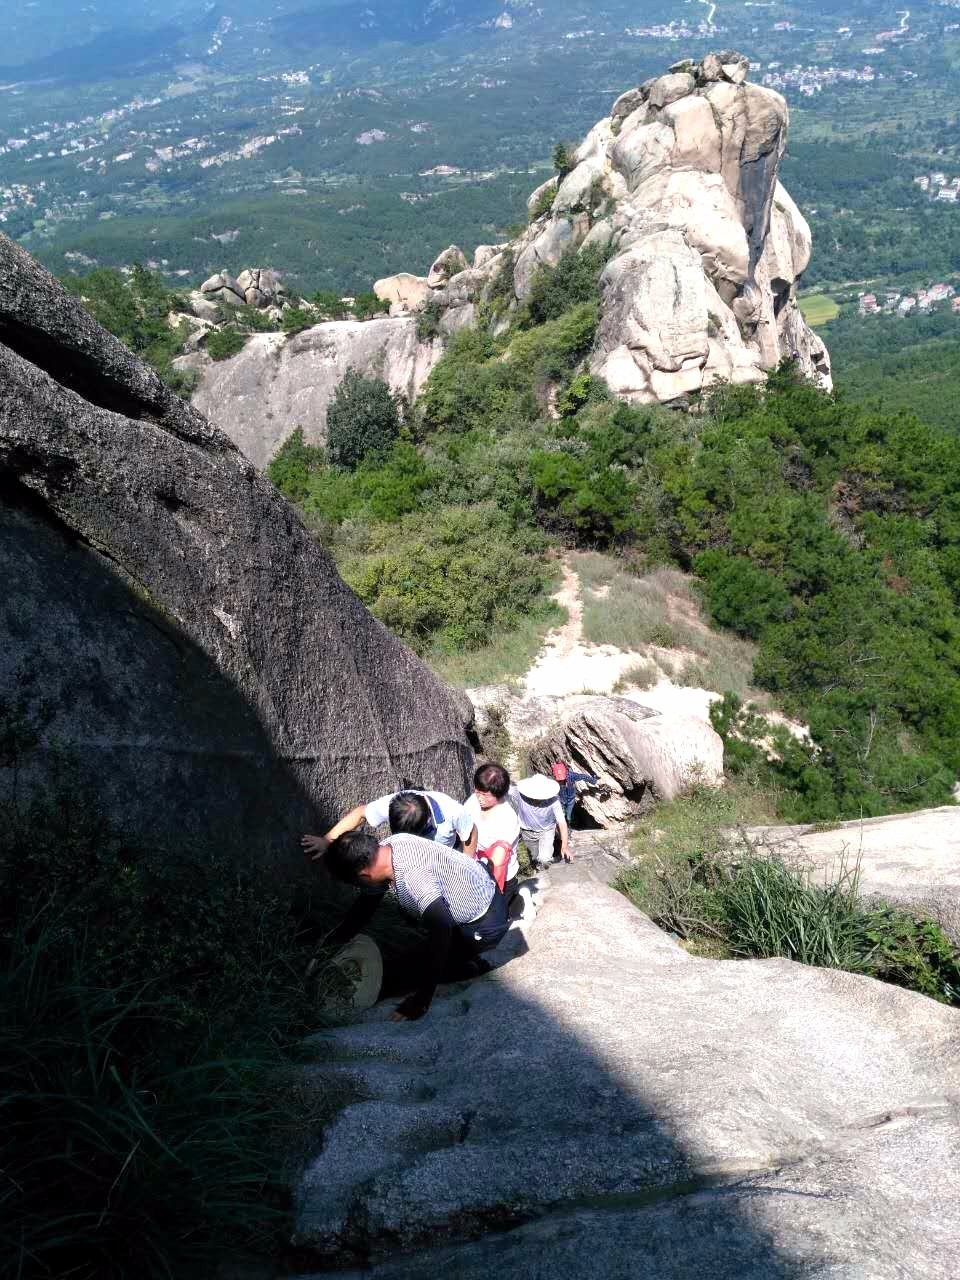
409 1010
314 846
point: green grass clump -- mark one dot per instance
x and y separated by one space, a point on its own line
642 675
695 876
150 1003
221 344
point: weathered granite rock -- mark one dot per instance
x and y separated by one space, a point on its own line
445 265
206 667
679 186
278 383
253 287
485 253
404 292
203 307
605 1104
535 196
637 755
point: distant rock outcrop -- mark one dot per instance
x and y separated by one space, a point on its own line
280 382
206 669
254 287
679 185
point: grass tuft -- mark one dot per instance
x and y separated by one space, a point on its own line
695 876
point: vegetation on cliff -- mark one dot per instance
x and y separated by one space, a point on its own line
826 532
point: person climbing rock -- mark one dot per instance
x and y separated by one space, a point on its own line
498 831
430 814
452 894
568 778
537 805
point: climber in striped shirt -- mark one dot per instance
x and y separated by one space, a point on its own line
455 897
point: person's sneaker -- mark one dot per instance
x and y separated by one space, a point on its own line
529 909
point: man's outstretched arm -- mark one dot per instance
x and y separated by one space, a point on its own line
316 846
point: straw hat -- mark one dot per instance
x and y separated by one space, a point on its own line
538 787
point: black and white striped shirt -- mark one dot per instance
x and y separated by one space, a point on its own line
424 871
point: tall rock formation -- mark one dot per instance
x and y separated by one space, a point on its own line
206 670
679 186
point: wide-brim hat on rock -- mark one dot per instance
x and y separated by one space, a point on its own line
538 787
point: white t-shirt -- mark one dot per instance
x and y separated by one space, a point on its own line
455 821
498 823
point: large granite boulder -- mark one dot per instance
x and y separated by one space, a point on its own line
404 292
606 1104
254 287
279 382
637 755
204 666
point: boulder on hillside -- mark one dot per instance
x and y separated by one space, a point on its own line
638 755
280 382
404 292
254 287
445 265
606 1104
205 668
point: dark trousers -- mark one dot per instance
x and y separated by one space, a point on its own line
514 904
470 940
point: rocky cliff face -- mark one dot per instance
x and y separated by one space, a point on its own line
206 668
679 185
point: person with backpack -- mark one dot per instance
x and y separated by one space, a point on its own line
430 814
498 831
568 778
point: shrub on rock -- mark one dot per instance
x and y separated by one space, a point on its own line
363 420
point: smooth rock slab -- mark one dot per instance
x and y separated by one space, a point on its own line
626 1110
909 858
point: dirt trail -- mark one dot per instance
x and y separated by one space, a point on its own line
567 664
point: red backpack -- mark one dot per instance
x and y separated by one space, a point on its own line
495 859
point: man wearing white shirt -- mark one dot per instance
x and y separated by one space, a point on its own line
496 822
430 814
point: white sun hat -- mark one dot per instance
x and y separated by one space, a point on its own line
538 787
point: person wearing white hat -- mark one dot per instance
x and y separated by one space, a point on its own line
536 800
